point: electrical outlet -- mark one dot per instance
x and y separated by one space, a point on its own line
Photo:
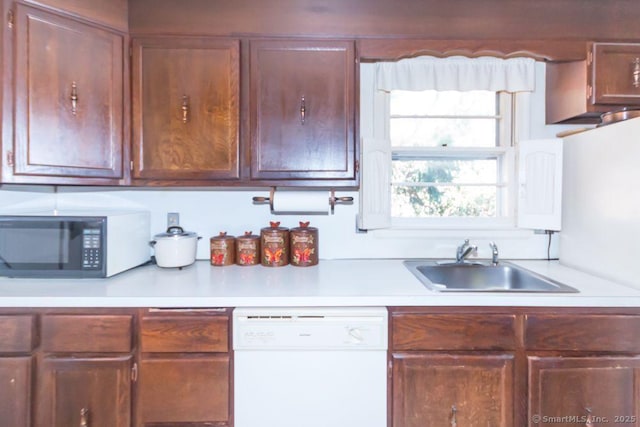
173 218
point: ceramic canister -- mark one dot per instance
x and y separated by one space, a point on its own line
222 249
274 242
248 249
304 245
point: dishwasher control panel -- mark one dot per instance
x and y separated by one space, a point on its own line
310 328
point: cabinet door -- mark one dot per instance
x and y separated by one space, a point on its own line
616 74
566 391
15 389
449 390
302 110
68 97
93 392
185 108
184 391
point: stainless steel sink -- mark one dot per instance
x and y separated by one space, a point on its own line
477 277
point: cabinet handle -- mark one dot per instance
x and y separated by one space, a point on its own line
636 73
74 98
185 109
454 410
84 417
589 422
303 110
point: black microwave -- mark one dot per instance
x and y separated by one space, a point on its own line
73 245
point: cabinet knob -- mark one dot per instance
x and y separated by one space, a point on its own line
74 98
303 110
589 422
454 410
185 109
635 74
84 417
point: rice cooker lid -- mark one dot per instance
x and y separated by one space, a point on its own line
175 232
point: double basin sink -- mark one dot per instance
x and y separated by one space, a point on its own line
466 276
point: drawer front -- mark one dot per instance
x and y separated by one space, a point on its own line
184 334
606 333
17 333
453 332
87 333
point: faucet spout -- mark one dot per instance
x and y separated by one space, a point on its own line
464 250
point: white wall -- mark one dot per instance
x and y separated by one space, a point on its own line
210 211
601 206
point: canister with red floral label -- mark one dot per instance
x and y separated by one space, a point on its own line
248 249
274 242
223 249
304 245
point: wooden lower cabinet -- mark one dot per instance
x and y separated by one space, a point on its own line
15 391
452 390
184 391
590 391
91 392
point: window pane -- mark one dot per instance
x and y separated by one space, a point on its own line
443 103
467 171
443 132
440 199
456 201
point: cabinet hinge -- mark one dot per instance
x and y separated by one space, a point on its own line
357 166
589 58
131 165
589 91
10 158
10 19
134 372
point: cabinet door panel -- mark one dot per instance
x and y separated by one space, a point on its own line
184 390
608 387
15 389
186 108
302 113
99 387
614 65
58 59
448 390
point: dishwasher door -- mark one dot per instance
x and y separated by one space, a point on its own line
310 367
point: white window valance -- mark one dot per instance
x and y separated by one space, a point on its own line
457 73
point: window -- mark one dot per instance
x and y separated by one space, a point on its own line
451 155
438 141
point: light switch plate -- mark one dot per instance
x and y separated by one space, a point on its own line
173 218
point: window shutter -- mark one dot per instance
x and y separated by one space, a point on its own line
540 181
375 187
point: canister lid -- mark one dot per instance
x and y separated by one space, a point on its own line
274 226
222 236
304 228
248 236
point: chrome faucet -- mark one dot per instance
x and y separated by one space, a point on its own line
464 250
494 253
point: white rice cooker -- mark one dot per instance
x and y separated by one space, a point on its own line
175 247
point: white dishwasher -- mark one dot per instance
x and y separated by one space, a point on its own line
310 367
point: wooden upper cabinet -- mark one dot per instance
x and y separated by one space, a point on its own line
68 99
185 108
302 110
615 74
607 80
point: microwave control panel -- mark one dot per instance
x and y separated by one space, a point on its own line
91 248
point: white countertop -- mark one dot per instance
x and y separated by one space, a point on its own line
331 283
